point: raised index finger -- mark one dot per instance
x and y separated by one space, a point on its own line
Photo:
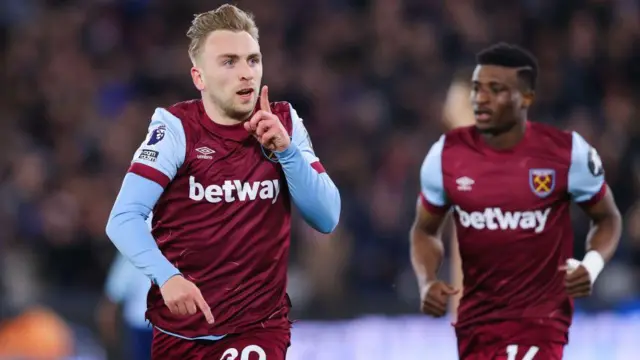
264 99
204 307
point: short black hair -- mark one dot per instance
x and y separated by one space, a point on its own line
511 56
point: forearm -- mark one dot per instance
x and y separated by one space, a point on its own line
129 232
604 236
456 271
314 194
427 252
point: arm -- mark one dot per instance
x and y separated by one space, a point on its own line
588 188
457 280
312 190
155 164
457 112
606 226
427 250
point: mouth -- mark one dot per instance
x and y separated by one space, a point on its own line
483 115
245 93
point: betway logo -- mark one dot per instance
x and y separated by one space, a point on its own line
234 190
497 219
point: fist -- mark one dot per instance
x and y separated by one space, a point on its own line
435 296
577 280
266 127
183 298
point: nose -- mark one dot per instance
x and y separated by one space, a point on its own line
246 72
480 97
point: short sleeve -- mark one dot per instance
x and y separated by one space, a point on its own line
301 138
586 182
431 180
163 151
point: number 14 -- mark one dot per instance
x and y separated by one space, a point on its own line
512 351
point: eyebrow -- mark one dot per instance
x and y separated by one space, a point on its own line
490 82
236 56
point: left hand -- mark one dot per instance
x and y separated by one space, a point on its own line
577 281
266 127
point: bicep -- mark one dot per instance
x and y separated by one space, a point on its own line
138 195
432 205
603 208
428 222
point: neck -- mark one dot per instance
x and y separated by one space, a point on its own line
217 115
507 139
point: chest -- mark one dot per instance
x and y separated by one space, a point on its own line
228 171
475 182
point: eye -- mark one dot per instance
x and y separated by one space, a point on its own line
254 61
496 88
228 62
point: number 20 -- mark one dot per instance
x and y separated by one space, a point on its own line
232 353
512 351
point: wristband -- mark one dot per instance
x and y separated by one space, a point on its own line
594 263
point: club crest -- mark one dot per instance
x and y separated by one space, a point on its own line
270 155
542 181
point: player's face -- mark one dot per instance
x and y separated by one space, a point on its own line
496 98
230 67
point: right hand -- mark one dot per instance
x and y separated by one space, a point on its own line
184 298
434 297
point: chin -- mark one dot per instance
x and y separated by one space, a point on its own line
241 112
484 127
246 108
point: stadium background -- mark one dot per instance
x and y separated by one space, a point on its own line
80 80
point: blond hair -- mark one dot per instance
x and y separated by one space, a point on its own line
225 17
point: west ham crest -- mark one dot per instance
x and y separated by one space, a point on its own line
542 181
270 155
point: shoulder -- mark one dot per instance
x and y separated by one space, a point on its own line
432 162
186 109
281 107
188 112
164 122
551 137
583 155
461 136
286 113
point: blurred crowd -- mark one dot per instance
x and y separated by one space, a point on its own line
80 80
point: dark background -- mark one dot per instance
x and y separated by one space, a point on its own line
80 80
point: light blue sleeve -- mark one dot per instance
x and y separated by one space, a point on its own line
431 178
128 230
164 147
312 190
300 136
118 279
154 165
586 173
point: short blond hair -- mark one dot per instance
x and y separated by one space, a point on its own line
225 17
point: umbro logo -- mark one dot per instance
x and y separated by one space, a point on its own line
205 153
465 183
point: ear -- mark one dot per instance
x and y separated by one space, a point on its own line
198 79
527 98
